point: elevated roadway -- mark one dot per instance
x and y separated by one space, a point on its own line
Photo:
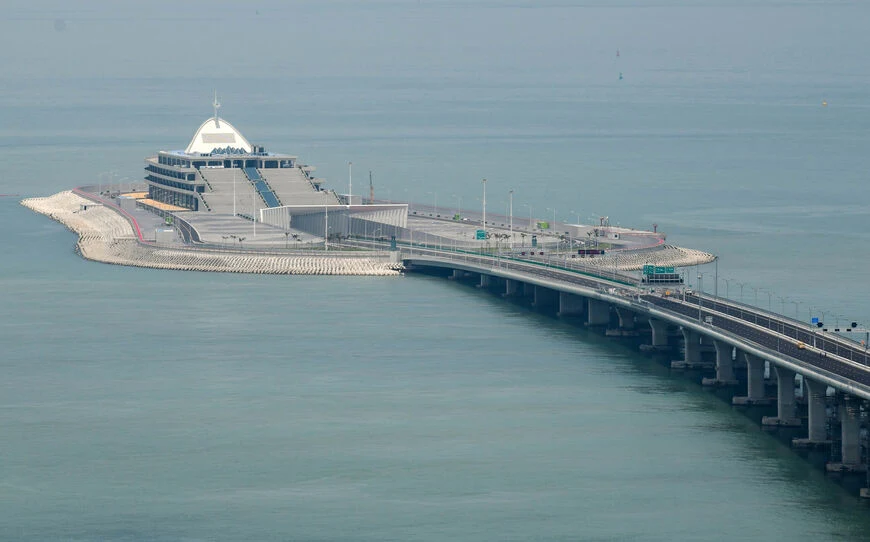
828 358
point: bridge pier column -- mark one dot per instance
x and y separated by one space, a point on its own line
485 281
754 383
457 274
545 298
659 333
724 366
626 318
511 287
691 352
784 400
528 290
816 416
598 313
850 427
571 304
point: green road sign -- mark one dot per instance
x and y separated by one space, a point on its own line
657 270
481 235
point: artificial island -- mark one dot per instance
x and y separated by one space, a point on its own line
224 204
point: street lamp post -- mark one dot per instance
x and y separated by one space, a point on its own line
700 290
511 220
459 206
484 207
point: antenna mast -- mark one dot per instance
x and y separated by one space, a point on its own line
371 190
216 104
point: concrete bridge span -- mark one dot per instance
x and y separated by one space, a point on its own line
739 337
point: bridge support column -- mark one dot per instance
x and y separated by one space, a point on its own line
784 400
658 337
626 318
545 298
724 366
598 313
528 290
850 424
457 274
816 416
754 383
485 281
571 304
659 333
691 352
511 287
627 324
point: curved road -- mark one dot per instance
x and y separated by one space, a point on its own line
774 332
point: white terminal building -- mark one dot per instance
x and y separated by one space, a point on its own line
220 172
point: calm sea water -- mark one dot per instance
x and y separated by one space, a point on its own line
154 405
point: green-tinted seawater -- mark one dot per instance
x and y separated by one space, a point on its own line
157 405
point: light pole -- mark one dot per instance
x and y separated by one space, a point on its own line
511 220
716 276
530 215
484 207
727 287
349 183
326 228
554 217
700 290
459 206
769 307
434 207
234 192
578 216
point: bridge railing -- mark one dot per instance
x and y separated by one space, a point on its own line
786 323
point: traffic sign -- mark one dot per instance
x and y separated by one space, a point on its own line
815 320
480 235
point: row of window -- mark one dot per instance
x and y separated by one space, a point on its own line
173 198
237 163
174 184
171 173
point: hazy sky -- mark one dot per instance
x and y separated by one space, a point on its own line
478 38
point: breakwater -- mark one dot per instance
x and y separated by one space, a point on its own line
106 236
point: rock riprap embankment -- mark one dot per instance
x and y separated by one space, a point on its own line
106 236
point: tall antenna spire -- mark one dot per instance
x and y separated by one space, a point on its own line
216 104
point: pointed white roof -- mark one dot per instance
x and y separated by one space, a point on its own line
216 133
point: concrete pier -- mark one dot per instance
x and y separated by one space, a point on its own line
456 274
528 290
691 352
816 416
659 333
626 318
724 366
598 313
850 431
754 383
485 281
571 305
784 401
511 287
545 298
